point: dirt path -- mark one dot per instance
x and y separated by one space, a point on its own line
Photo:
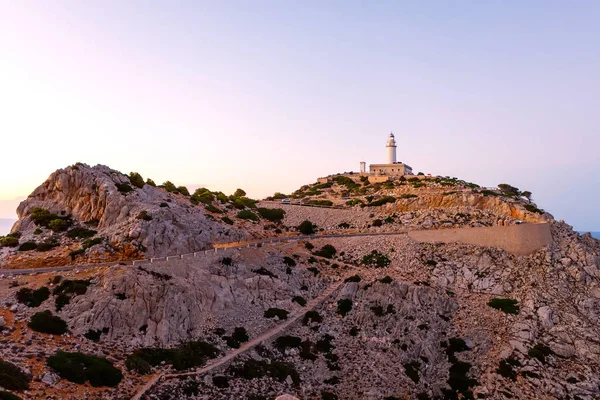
249 345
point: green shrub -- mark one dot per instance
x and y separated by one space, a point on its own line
61 301
509 306
306 228
376 259
183 190
169 187
150 182
505 368
136 179
144 216
213 209
247 214
353 278
255 369
59 225
325 395
300 300
312 316
93 335
327 251
138 364
240 334
4 395
124 188
508 189
45 322
377 222
264 271
314 270
533 209
80 367
431 263
382 201
37 231
387 279
9 241
186 355
80 233
271 214
28 246
353 202
33 298
308 245
344 306
285 342
12 377
276 312
289 261
41 216
227 220
76 287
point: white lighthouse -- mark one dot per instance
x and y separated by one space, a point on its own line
391 149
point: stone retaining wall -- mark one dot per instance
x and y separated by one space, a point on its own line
521 239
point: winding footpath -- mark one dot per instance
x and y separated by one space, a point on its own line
249 345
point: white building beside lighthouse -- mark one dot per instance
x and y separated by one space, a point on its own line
393 167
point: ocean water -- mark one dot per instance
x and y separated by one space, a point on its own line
596 234
5 225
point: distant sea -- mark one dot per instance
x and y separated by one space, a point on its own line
594 234
5 225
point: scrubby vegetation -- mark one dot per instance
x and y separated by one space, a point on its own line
509 306
12 377
136 180
306 228
276 312
376 259
254 369
271 214
33 298
45 322
353 278
344 306
186 355
80 368
247 214
68 289
382 201
327 251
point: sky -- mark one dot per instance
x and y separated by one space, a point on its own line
270 95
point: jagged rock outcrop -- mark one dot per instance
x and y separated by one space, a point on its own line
132 221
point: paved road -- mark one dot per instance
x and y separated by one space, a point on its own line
251 344
14 272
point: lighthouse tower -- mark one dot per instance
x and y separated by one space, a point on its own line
391 149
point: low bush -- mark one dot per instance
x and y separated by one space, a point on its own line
540 351
276 312
12 377
28 246
408 196
505 368
254 369
533 209
306 228
354 202
327 251
312 316
377 222
136 179
290 262
33 298
138 364
186 355
264 271
213 209
412 370
247 214
45 322
325 395
227 220
509 306
308 246
386 279
285 342
80 233
272 214
94 335
150 182
183 190
59 225
382 201
169 187
376 259
80 368
124 188
9 241
344 306
301 301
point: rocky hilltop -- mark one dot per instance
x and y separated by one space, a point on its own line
333 315
82 214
